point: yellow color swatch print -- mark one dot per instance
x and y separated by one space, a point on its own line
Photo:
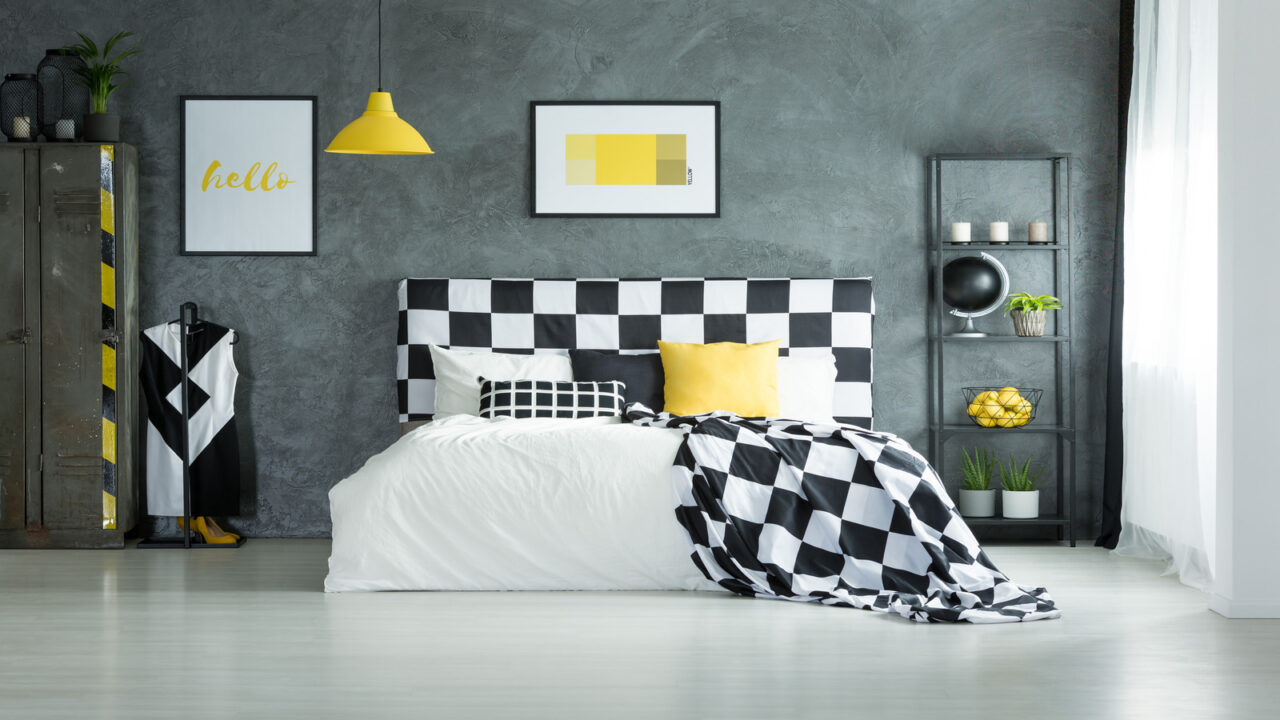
624 159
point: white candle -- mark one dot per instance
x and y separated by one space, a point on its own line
999 232
959 232
66 129
1038 232
22 127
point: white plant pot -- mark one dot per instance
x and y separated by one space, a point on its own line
1020 504
1029 324
977 503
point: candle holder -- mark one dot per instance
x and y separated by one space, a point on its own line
62 97
20 107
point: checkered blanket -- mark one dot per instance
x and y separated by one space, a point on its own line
834 515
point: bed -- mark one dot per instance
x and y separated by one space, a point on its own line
464 503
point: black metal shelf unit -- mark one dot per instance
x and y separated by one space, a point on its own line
1062 426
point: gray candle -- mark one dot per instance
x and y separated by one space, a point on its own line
1038 232
66 129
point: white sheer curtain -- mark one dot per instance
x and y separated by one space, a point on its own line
1170 295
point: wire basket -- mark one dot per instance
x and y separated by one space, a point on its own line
1001 407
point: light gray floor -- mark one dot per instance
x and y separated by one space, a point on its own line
248 634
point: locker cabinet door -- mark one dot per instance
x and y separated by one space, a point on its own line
13 338
71 279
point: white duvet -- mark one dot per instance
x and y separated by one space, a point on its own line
466 503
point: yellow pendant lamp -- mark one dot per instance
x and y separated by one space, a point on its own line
379 131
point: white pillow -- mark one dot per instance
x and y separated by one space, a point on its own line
458 375
807 388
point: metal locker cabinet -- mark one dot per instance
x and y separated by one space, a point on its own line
80 310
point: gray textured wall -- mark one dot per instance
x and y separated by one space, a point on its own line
828 111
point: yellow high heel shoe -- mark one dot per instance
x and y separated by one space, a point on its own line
215 530
212 535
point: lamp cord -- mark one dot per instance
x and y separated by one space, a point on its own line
379 45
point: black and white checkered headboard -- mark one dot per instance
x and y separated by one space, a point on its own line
808 316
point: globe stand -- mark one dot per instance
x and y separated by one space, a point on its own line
968 330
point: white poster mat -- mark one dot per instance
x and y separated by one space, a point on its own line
249 176
698 123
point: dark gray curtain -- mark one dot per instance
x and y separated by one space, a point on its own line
1113 467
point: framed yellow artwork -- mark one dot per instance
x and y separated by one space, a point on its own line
633 158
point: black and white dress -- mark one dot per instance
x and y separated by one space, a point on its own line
213 448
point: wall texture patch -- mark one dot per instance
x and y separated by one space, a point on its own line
829 111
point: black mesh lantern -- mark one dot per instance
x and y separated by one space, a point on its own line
20 107
63 99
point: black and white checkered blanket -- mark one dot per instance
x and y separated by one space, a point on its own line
834 515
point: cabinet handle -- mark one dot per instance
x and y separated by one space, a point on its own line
21 336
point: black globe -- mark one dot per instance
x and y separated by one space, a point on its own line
971 283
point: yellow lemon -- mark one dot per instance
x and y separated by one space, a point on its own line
1007 421
985 396
986 422
1009 397
974 409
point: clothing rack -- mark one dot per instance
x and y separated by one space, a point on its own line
189 321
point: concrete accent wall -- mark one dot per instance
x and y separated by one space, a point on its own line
829 109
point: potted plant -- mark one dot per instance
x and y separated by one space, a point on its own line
98 75
1029 312
977 497
1021 495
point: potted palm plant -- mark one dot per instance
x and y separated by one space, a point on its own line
1029 312
1021 495
977 497
99 75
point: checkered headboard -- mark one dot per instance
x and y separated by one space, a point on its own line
808 317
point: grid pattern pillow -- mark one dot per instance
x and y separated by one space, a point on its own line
551 398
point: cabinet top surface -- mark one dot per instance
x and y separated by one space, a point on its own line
11 145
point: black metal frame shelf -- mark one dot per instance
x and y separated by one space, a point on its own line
1024 522
1004 338
1062 427
961 428
969 246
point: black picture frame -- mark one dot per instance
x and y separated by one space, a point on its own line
183 100
533 157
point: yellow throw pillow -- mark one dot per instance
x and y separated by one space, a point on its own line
721 376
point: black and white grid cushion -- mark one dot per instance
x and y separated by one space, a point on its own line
551 399
809 317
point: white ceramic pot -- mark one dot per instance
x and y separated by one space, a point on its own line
1020 504
1029 324
977 503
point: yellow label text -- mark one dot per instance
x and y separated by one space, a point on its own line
272 178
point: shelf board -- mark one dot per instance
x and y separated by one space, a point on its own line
967 428
963 247
1042 521
1016 157
1005 338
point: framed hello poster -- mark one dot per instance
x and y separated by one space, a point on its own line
624 158
248 170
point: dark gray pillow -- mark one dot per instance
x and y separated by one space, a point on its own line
642 374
